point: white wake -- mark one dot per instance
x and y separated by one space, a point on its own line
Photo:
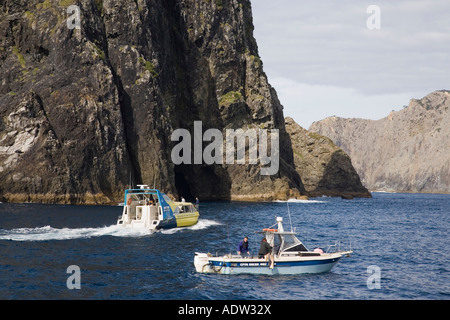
300 201
201 224
49 233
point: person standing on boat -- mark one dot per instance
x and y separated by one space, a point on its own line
243 246
264 249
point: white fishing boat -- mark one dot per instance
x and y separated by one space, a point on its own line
151 209
288 256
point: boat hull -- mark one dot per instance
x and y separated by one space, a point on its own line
298 265
186 219
179 221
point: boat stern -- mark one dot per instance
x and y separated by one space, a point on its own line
201 262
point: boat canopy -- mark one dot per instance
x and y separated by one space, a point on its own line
283 242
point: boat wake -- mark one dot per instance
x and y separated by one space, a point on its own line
300 201
201 224
49 233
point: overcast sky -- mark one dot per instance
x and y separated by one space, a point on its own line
324 60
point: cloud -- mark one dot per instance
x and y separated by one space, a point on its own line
327 44
307 103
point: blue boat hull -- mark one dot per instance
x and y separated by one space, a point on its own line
169 223
299 265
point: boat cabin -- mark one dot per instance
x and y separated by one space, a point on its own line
143 207
285 243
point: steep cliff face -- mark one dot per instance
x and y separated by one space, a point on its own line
85 111
326 170
405 151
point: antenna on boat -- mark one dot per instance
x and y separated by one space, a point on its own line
228 235
289 213
131 187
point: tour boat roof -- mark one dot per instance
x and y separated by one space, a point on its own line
143 188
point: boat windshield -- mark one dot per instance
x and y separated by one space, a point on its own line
166 198
291 243
142 198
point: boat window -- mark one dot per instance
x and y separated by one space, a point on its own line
276 243
291 243
166 198
290 240
299 247
184 209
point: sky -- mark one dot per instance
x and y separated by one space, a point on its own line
351 59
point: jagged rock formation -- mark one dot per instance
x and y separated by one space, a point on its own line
84 111
405 151
325 169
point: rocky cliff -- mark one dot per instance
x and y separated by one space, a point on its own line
325 169
90 97
406 151
85 111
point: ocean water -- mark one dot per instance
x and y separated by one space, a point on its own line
400 244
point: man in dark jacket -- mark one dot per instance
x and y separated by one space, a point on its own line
243 246
264 249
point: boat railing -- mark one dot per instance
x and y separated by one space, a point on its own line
234 256
338 245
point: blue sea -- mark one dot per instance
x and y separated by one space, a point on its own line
400 244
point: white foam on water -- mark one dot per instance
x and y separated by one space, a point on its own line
300 201
50 233
201 224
